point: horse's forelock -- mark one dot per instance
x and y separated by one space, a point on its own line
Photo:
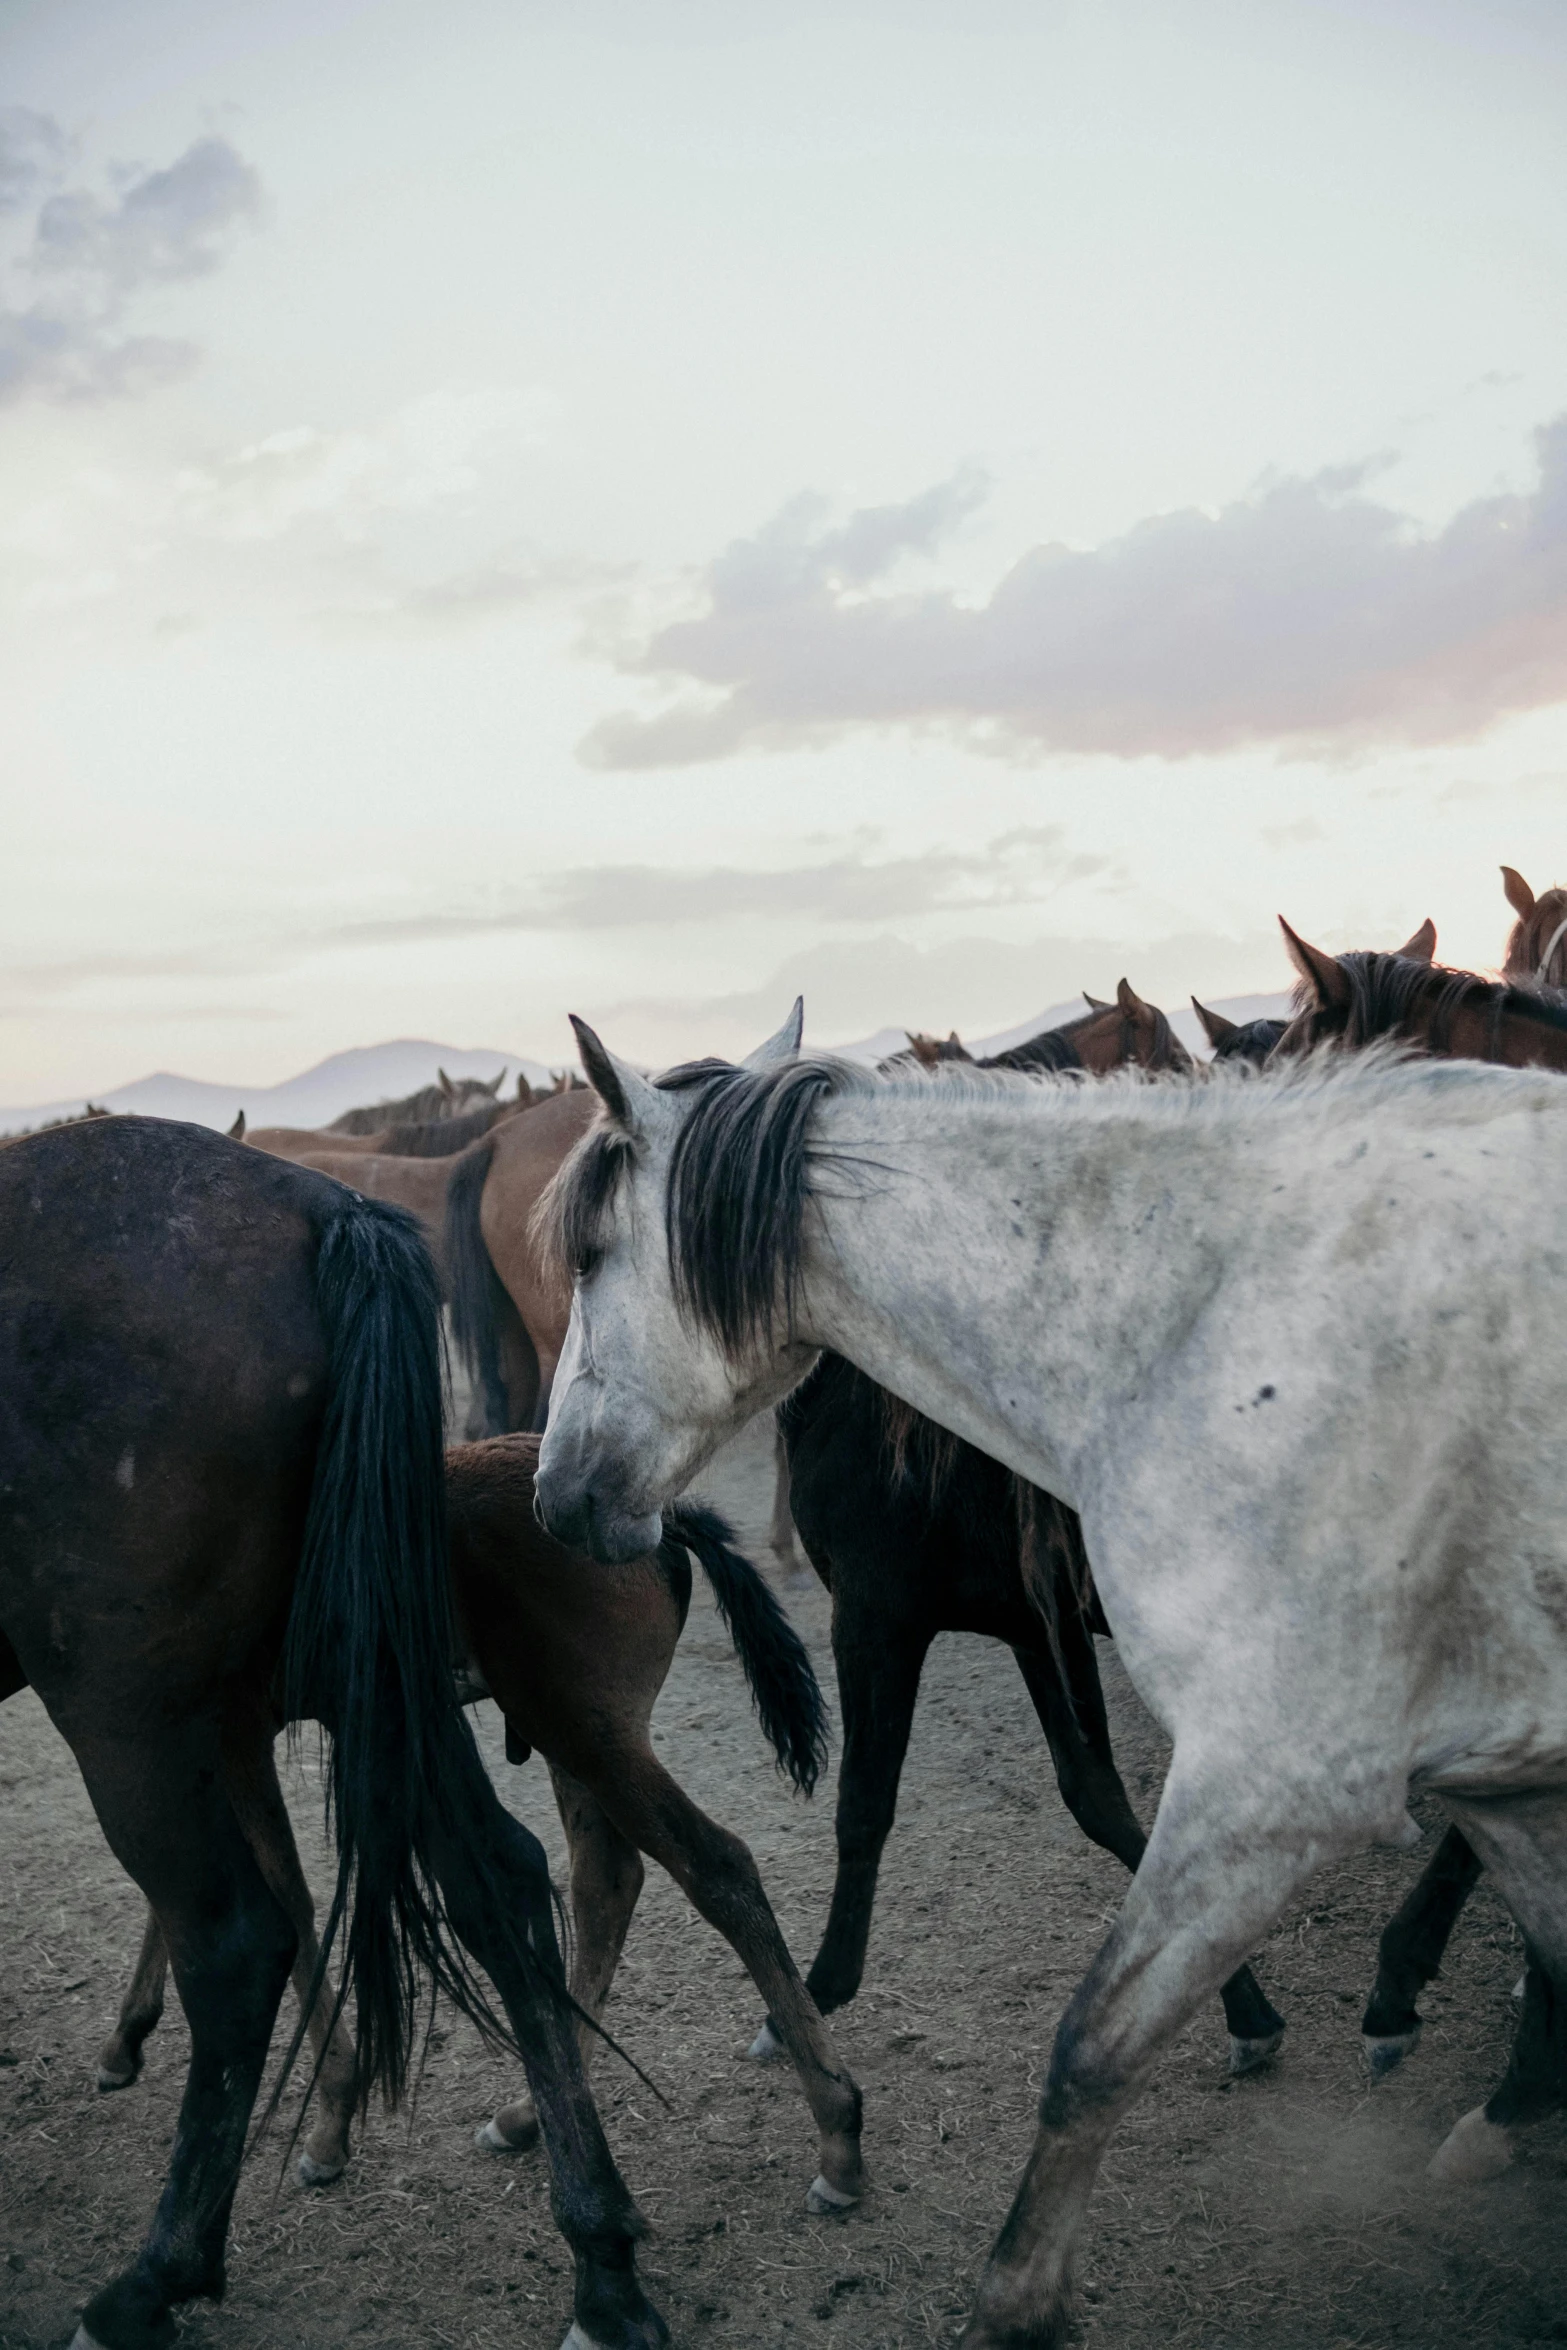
567 1226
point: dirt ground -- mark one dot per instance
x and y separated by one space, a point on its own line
1289 2210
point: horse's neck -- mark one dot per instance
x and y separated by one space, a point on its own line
1010 1278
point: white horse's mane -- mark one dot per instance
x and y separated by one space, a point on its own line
1325 1084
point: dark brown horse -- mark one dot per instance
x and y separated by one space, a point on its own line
1238 1040
1536 953
575 1655
220 1463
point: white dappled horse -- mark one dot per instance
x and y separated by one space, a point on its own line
1295 1348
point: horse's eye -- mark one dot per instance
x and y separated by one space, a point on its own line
588 1263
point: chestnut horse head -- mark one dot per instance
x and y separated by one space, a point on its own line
1537 943
1127 1033
1355 1000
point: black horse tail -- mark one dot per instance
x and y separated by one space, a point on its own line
478 1300
369 1650
784 1688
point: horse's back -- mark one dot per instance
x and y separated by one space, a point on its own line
567 1647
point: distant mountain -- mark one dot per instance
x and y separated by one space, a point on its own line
1240 1008
386 1072
368 1073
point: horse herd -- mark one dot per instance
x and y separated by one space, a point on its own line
1258 1368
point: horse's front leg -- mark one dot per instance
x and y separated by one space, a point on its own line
1211 1882
141 2010
1069 1700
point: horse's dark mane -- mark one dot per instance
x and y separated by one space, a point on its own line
1387 990
1052 1048
1252 1041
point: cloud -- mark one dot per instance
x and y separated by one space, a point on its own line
431 453
1025 867
33 152
89 256
1306 616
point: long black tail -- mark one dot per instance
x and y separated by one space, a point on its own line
786 1692
369 1648
478 1300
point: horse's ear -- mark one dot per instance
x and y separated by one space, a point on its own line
630 1100
783 1045
1130 1004
1215 1027
1328 985
1420 947
1095 1003
1519 895
446 1085
237 1130
493 1089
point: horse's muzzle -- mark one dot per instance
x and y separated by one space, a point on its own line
584 1519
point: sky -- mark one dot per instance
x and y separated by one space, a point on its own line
641 508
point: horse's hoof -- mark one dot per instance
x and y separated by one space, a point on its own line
1520 1987
1249 2056
1386 2052
110 2080
313 2173
826 2201
83 2340
490 2140
1474 2149
766 2048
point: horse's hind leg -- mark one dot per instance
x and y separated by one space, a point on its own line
119 2060
1522 1841
717 1874
1070 1704
258 1803
1213 1879
1410 1951
592 2208
606 1877
168 1819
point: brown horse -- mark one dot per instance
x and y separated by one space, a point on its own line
220 1460
575 1655
1353 1000
1537 943
1105 1037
